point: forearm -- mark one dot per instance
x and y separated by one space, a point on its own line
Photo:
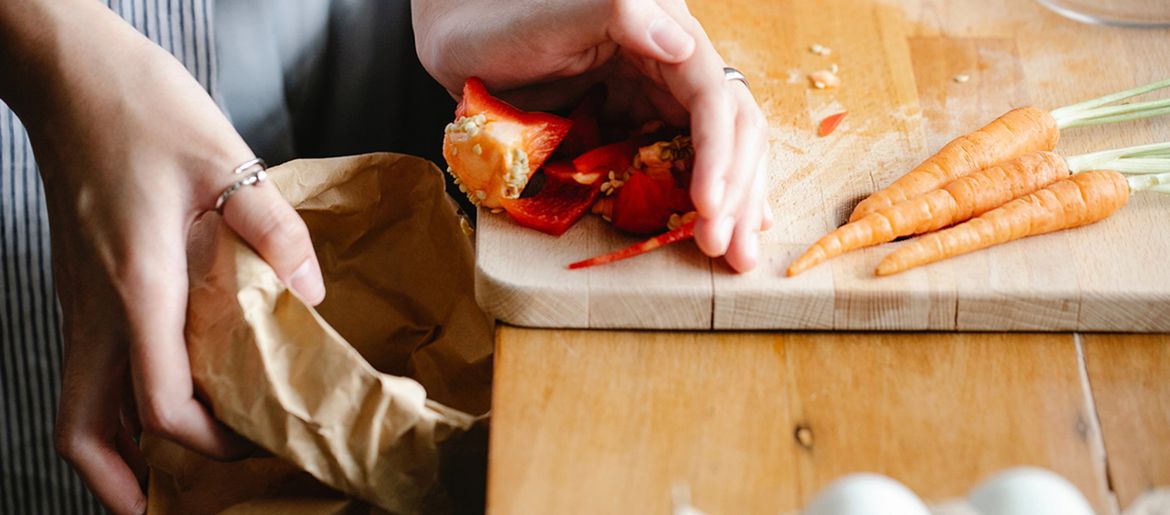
48 46
30 42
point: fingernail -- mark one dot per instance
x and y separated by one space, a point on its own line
307 282
671 38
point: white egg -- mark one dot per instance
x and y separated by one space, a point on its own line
866 494
1028 491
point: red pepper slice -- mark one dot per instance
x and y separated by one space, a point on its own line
684 232
615 157
644 204
830 123
586 118
558 206
484 156
569 173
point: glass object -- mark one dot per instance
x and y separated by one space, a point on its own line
1123 13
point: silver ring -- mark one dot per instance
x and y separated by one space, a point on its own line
730 73
257 171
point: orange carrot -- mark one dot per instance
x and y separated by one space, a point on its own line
958 200
1021 130
1079 200
1026 129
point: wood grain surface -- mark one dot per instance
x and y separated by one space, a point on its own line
898 60
608 422
1130 378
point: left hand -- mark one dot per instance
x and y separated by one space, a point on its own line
657 62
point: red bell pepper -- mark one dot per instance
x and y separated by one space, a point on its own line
684 232
615 157
570 174
494 157
644 204
558 206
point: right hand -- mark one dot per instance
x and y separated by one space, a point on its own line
132 151
542 53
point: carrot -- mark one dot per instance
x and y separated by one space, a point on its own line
1020 130
683 232
1079 200
955 202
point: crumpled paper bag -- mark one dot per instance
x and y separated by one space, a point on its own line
375 388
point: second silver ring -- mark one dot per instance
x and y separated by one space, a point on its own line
258 172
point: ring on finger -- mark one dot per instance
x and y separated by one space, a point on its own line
732 74
256 171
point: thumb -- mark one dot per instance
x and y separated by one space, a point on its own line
645 28
265 220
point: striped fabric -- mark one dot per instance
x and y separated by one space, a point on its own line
33 480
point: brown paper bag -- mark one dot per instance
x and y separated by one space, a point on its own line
372 392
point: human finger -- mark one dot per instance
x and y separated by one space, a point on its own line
159 365
645 28
104 471
129 433
86 426
131 454
750 146
274 229
744 249
699 86
714 235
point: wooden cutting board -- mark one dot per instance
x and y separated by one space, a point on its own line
898 61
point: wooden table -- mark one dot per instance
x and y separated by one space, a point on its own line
608 422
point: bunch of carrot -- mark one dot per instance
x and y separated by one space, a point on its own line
1002 183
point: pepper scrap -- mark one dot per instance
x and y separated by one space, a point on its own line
830 123
558 206
493 148
684 232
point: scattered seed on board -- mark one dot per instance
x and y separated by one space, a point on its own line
962 78
823 79
820 50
